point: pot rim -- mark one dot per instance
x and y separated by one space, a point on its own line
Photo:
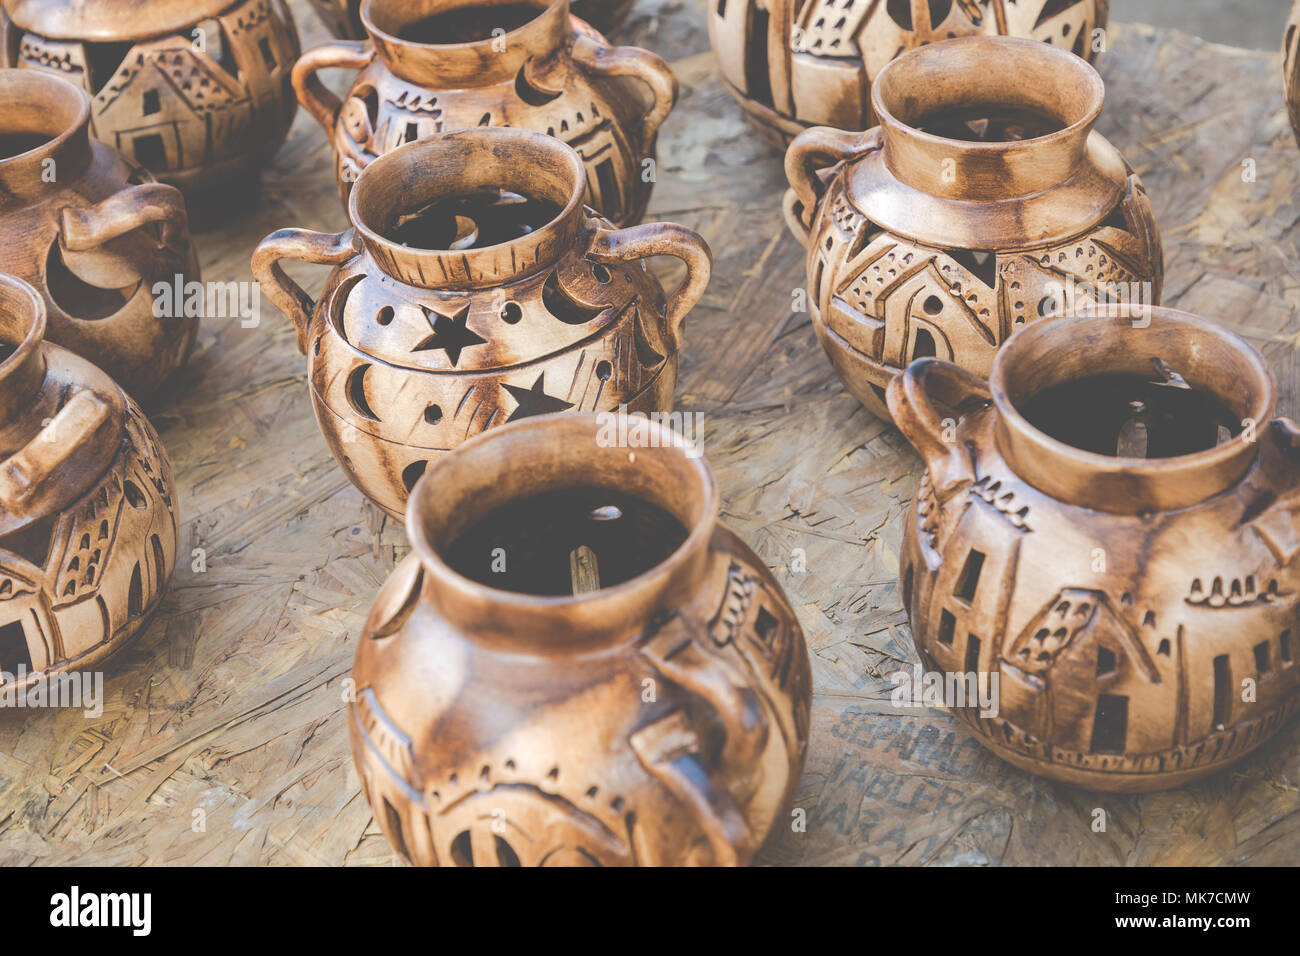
1109 482
586 621
387 38
56 86
22 371
485 266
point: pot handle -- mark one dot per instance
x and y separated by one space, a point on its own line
814 152
323 248
661 239
77 424
669 747
315 97
650 68
124 211
910 404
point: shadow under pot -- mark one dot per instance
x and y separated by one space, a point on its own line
475 289
578 649
983 202
437 65
794 65
94 234
196 91
88 531
1111 533
1291 68
343 17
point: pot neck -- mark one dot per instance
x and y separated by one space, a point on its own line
460 164
1081 345
48 107
958 75
481 62
551 453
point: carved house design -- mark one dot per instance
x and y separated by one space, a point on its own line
69 583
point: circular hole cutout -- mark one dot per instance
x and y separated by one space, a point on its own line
433 414
601 273
511 313
933 305
385 315
604 371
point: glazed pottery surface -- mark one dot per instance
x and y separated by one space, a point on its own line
1291 68
659 721
343 17
93 233
798 63
197 92
926 244
548 73
1139 613
414 350
88 530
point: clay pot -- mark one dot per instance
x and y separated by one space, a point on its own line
196 91
530 305
660 719
1291 68
1122 601
343 17
87 504
93 233
798 63
548 73
983 201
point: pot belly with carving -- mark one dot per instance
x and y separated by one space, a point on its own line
386 416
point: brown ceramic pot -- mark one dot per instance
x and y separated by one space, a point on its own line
93 233
196 91
1140 612
415 349
548 73
983 201
343 17
798 63
1291 68
660 719
87 504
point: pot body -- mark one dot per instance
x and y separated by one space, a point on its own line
198 98
411 352
554 75
924 246
1134 650
595 730
1291 69
343 17
88 529
98 238
792 64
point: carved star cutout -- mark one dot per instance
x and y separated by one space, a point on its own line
534 401
450 333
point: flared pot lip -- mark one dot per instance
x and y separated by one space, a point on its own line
460 266
110 20
390 39
1154 483
1021 46
55 86
37 319
585 613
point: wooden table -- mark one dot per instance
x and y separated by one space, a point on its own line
223 738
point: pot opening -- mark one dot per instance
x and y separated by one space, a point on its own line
1129 415
989 123
16 143
446 22
567 541
487 217
39 110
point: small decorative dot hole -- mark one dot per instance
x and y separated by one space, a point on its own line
933 305
433 414
601 273
385 315
604 371
511 313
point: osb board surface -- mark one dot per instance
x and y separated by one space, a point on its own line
232 702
